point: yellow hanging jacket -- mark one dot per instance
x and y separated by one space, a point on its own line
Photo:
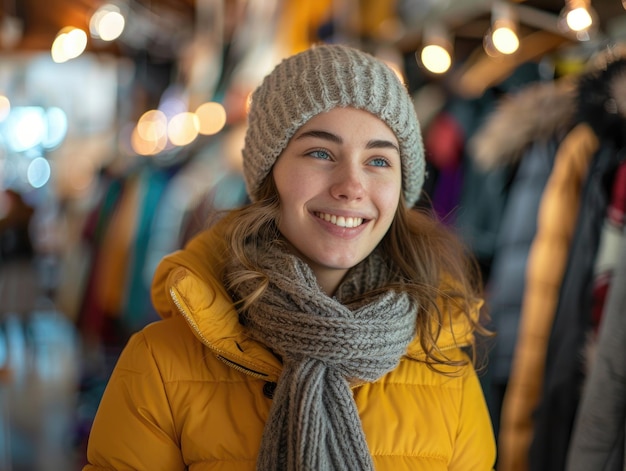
193 392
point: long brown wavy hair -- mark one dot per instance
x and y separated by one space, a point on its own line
436 268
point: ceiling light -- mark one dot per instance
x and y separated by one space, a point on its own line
436 55
502 37
578 17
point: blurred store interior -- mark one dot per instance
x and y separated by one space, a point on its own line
121 124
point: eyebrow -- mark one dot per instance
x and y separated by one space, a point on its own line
329 136
381 144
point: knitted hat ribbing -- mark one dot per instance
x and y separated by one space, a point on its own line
318 80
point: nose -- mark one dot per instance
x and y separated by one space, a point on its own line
347 183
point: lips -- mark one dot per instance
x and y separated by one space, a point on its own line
340 221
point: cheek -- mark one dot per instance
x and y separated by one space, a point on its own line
289 191
293 192
296 186
387 203
281 182
388 197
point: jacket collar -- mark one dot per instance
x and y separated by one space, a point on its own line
187 283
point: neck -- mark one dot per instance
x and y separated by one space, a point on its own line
329 280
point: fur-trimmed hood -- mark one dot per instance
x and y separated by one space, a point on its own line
602 102
544 109
536 112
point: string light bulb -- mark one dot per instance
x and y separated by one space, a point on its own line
502 37
578 17
436 55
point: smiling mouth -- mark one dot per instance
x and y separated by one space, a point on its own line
340 221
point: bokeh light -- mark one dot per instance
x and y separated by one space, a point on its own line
107 23
436 58
38 172
212 118
183 128
505 40
69 43
5 107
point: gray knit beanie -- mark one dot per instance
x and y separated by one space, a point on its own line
315 81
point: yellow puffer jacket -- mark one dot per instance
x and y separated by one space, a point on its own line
192 392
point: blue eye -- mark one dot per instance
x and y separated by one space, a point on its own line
320 154
379 162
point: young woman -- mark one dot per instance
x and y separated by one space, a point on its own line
325 325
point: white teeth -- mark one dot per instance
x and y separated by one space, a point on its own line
340 220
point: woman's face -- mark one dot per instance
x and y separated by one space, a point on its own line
339 182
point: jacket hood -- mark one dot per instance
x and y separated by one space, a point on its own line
602 101
536 112
187 283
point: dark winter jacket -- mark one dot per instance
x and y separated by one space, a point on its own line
565 359
598 437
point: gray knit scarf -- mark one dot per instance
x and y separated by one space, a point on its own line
325 344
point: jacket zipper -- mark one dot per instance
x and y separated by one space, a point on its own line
221 355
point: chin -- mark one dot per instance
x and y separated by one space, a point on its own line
340 264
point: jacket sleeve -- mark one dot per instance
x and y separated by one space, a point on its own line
134 428
474 447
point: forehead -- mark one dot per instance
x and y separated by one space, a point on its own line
351 122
